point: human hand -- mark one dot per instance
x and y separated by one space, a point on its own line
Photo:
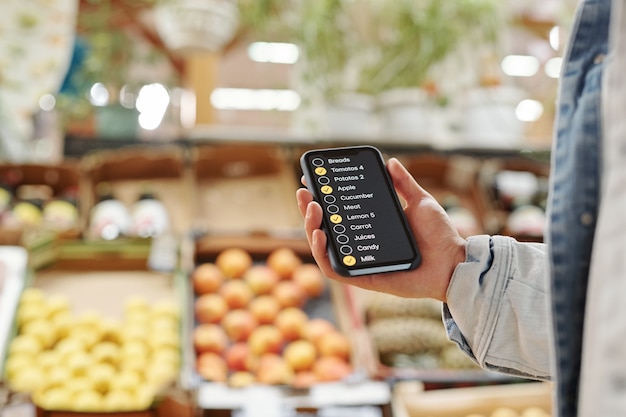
441 247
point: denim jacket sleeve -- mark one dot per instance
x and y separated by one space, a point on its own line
497 308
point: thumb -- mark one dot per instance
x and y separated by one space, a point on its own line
404 183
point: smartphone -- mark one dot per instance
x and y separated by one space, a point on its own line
363 218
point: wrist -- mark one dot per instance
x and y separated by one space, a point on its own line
458 256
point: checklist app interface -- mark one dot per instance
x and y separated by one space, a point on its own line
360 209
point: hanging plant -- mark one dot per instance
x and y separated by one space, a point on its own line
370 46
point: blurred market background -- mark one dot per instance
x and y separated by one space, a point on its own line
465 73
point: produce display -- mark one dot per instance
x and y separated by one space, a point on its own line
37 206
252 325
409 333
91 363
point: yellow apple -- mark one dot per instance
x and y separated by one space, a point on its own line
68 347
57 398
134 331
106 352
25 344
58 375
42 330
111 330
118 400
78 384
135 348
47 359
163 323
165 309
159 375
166 355
58 304
90 319
135 363
79 363
100 375
88 401
15 362
88 335
32 295
63 322
126 380
164 339
28 379
136 304
139 318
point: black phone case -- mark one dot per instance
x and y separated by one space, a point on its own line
336 263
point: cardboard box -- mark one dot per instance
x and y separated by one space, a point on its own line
245 191
411 400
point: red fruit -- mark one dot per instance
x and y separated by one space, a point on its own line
261 279
238 324
289 294
209 338
334 344
264 308
236 356
212 367
290 321
310 278
284 261
331 368
207 278
210 308
315 328
236 293
233 262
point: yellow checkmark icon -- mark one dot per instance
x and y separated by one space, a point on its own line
349 260
335 218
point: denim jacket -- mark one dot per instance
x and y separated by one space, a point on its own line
528 309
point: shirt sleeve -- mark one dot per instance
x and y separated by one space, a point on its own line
497 308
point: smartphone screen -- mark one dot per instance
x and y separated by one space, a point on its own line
363 218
